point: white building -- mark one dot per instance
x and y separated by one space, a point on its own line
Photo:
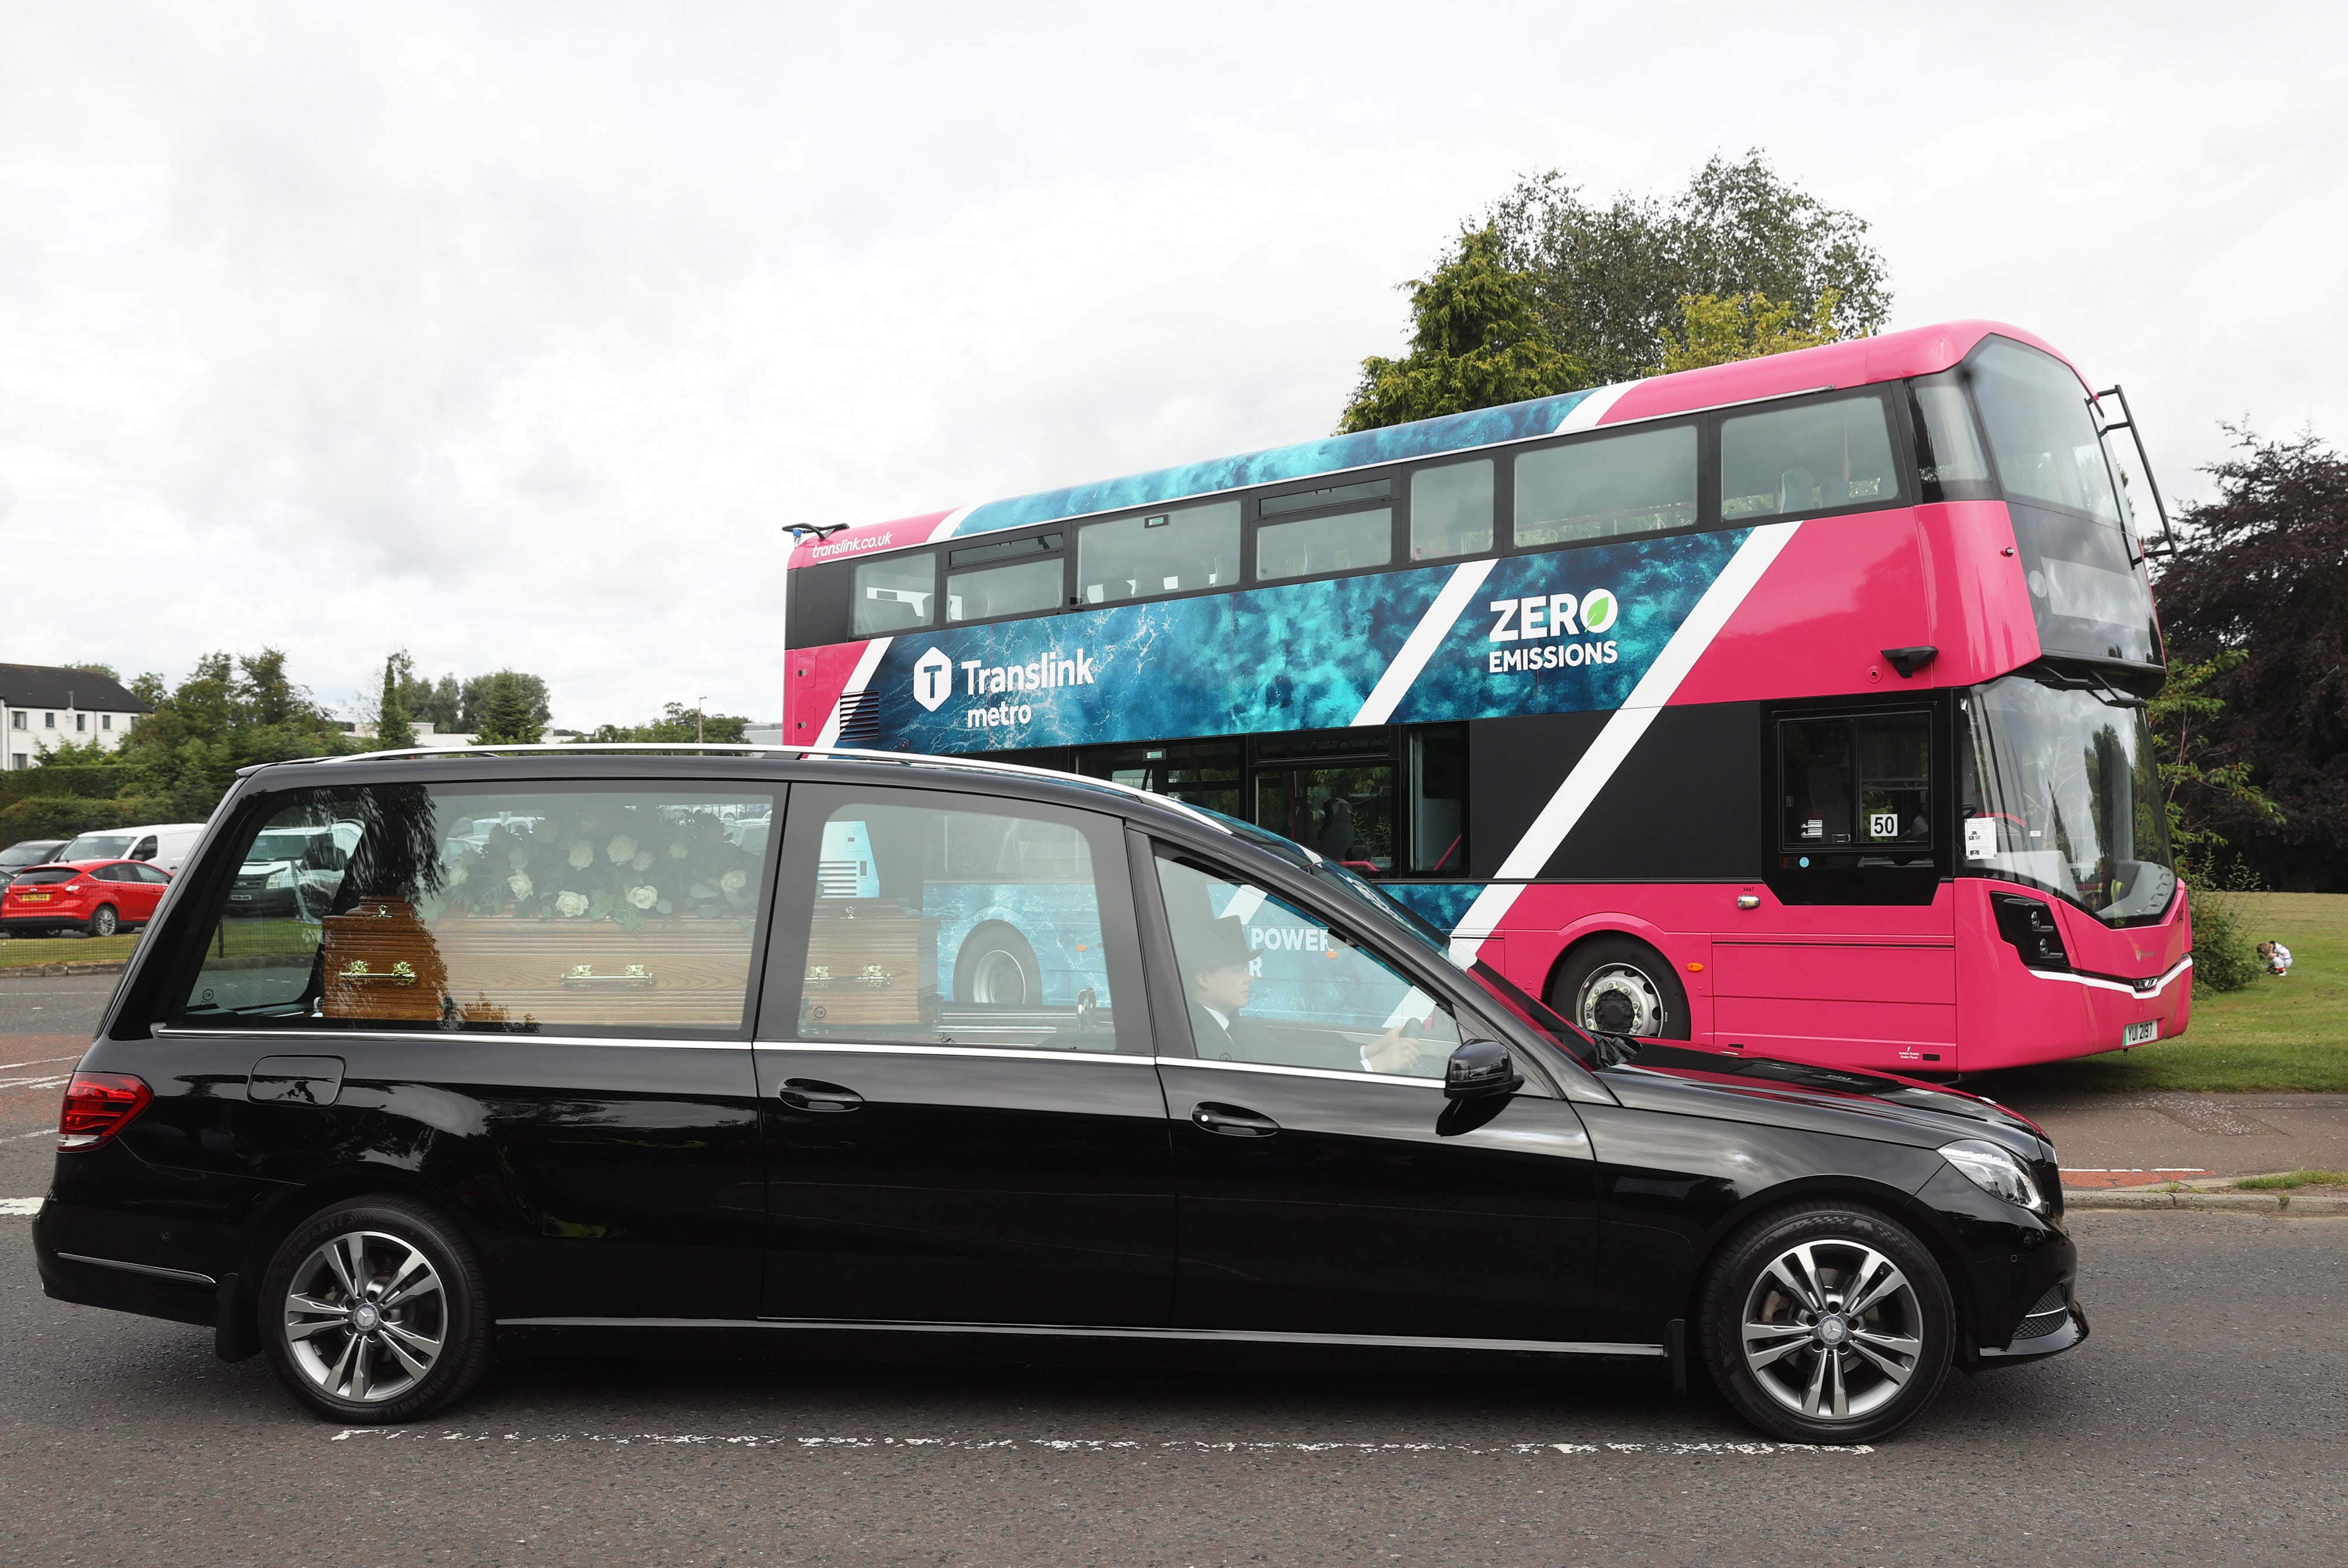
42 707
428 738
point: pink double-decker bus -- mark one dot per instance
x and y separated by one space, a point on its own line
1795 705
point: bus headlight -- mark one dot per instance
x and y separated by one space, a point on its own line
1996 1172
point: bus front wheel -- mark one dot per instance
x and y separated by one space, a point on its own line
1620 985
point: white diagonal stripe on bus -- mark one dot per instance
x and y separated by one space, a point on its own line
1424 639
866 663
950 521
1621 732
1586 414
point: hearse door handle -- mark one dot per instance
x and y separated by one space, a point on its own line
1233 1121
811 1094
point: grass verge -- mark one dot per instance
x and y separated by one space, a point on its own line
2295 1178
22 952
2287 1034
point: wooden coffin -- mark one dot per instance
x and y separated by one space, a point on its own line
683 973
864 966
381 962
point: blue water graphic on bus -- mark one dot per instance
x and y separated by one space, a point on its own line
1395 443
1304 656
1442 905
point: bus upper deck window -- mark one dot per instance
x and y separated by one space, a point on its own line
1639 482
1451 511
1022 588
1348 541
893 595
1813 457
1170 552
1949 463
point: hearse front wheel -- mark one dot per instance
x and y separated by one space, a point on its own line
372 1312
1620 985
1828 1322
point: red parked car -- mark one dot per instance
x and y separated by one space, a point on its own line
100 897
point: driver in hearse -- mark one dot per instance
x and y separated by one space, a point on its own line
1223 978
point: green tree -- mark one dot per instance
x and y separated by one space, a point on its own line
676 724
476 695
232 711
1609 283
511 713
94 668
393 732
1475 341
1718 331
2195 790
2255 591
441 702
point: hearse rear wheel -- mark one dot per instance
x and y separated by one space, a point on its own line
373 1312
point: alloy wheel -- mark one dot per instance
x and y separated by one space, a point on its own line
105 922
1621 999
366 1317
1832 1330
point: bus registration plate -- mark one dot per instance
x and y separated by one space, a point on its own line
2142 1034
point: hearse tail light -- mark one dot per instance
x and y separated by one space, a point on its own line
97 1106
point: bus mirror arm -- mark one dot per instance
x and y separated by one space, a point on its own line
1908 661
2127 422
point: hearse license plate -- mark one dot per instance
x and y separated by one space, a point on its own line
2142 1034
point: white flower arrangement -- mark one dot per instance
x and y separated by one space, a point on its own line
570 905
643 896
621 850
521 886
643 862
582 855
678 848
734 881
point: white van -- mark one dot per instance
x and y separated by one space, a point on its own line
163 847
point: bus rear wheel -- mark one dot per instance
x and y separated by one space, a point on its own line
1620 985
996 968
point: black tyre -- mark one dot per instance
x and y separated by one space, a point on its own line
1828 1322
1620 985
373 1311
997 968
104 921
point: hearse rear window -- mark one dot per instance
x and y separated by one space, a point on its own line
523 909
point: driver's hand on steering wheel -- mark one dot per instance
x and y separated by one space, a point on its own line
1395 1052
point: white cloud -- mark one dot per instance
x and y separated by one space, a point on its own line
514 334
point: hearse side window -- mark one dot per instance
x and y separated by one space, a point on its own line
894 595
1857 784
1451 511
1813 457
521 908
1266 982
1639 482
917 917
1168 552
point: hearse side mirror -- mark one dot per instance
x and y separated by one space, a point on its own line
1479 1068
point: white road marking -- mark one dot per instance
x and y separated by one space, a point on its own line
1094 1445
38 1061
55 1080
26 1206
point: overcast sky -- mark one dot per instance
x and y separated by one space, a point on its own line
513 334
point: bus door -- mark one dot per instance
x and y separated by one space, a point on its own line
1844 952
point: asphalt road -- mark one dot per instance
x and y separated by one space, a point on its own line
2202 1423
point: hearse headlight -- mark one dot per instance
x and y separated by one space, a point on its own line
1996 1173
